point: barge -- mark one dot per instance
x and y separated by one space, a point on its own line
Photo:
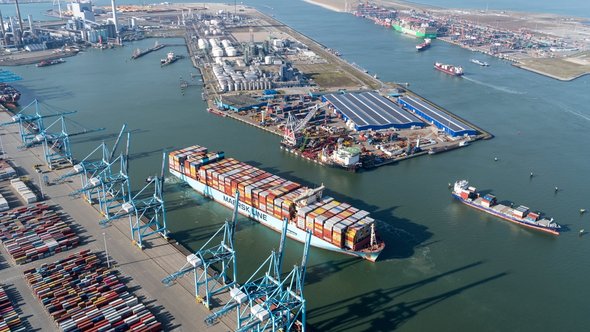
521 215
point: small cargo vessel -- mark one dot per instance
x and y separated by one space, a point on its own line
46 63
8 94
269 199
449 69
520 215
479 62
423 46
169 59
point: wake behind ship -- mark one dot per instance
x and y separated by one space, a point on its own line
520 215
269 199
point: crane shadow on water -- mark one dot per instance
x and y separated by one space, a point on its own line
382 310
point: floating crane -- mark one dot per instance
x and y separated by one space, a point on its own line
32 124
256 302
221 256
147 215
292 136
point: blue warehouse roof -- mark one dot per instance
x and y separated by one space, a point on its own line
369 110
439 118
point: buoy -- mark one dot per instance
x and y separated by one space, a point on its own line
531 174
495 158
556 189
582 211
581 232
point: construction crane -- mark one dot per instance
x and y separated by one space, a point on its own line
146 213
292 135
222 257
32 124
245 298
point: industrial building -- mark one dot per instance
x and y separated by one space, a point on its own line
441 120
369 110
239 103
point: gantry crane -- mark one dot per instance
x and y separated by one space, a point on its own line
32 124
245 298
292 135
221 257
146 213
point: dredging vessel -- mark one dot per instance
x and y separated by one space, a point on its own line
520 215
268 199
449 69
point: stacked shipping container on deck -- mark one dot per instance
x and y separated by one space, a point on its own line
81 294
330 220
9 319
34 232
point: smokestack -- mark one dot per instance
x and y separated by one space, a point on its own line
115 16
20 22
3 30
31 23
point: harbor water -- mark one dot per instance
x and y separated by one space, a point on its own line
446 266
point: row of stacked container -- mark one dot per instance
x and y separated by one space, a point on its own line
81 294
6 170
3 203
9 319
24 191
330 220
34 232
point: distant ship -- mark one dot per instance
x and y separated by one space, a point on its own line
170 58
478 62
46 63
424 45
449 69
520 215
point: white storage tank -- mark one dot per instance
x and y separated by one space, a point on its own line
202 44
217 52
231 51
225 43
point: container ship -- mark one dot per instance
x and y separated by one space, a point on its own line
423 46
449 69
46 63
416 29
520 215
269 199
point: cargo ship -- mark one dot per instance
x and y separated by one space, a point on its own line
46 63
169 59
449 69
269 199
423 46
520 215
416 29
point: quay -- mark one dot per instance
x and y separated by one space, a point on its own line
174 306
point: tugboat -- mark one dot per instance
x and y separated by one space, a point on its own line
479 62
449 69
424 45
46 63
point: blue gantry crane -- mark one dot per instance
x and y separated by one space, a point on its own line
146 213
245 298
221 257
30 120
89 167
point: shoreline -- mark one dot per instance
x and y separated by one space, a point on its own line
325 6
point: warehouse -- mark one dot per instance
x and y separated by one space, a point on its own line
440 119
369 110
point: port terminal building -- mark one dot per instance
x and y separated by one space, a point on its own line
371 111
440 119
